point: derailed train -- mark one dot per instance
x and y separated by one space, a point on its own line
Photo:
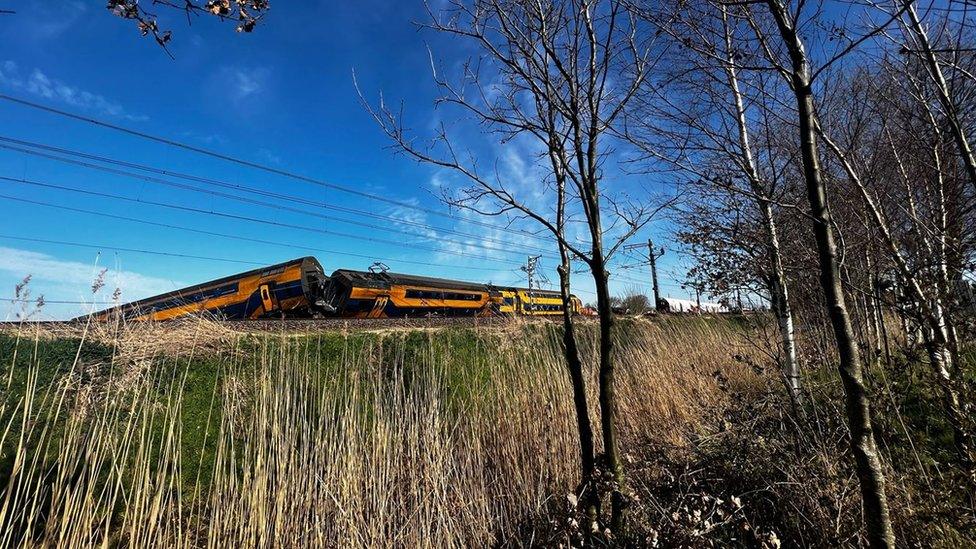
301 289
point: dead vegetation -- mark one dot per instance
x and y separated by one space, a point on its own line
446 438
438 438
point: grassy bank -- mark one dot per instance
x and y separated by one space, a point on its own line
435 438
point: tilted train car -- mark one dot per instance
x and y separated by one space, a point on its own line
299 288
274 291
361 294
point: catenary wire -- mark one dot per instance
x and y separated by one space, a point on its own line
241 188
225 235
153 252
251 164
235 237
237 217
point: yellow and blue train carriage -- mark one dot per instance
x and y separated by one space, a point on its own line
275 291
300 289
522 301
361 294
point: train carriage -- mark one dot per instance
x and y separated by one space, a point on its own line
300 289
522 301
361 294
274 291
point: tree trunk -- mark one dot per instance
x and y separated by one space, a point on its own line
590 499
608 399
942 89
868 463
939 330
882 326
783 311
779 291
943 364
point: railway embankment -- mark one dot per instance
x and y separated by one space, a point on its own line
455 435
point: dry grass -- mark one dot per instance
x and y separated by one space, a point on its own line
440 439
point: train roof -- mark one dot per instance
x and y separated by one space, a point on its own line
204 285
383 280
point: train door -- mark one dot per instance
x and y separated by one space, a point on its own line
267 298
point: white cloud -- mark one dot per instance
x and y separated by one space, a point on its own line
77 277
243 83
205 137
40 84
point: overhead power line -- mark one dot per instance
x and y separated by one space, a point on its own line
133 250
237 217
175 254
245 189
56 301
253 164
234 237
265 204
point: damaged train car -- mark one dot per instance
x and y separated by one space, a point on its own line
300 289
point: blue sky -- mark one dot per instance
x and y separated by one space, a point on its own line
283 97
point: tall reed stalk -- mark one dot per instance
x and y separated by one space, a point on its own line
448 438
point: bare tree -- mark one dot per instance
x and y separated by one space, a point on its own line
634 302
799 75
926 286
915 40
560 73
247 14
701 119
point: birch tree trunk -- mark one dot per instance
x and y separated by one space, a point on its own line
938 330
779 290
868 463
942 90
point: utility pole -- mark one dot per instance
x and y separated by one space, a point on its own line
697 286
652 257
529 269
530 266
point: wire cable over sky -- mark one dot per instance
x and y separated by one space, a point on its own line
244 189
249 219
115 248
235 237
111 165
256 165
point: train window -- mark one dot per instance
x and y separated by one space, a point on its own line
201 295
441 295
